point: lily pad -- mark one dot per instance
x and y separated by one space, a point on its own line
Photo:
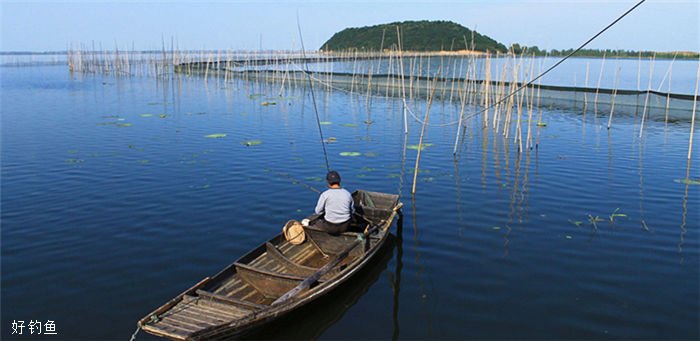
146 115
415 146
330 140
266 103
349 125
325 123
252 143
541 124
215 136
350 154
691 181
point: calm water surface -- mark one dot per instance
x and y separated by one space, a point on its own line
114 201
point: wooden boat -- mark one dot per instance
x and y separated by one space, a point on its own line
276 278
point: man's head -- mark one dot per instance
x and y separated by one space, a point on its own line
333 178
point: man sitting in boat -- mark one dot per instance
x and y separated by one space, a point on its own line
336 206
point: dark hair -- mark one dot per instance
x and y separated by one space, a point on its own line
333 177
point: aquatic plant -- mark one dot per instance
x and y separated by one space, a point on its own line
251 143
689 181
415 146
215 136
615 215
350 154
349 125
146 115
266 103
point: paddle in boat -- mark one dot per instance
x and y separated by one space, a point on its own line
287 272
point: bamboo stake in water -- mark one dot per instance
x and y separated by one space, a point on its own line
403 87
422 132
600 78
612 102
646 99
692 120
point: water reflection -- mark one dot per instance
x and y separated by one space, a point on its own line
312 320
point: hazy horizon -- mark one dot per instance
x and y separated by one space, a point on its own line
43 26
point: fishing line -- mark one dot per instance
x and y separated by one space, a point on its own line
313 97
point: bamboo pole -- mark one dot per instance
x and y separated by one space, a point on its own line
646 99
597 89
612 101
422 132
692 120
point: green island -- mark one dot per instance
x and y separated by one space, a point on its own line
449 37
419 36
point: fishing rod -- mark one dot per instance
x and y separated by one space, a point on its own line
313 97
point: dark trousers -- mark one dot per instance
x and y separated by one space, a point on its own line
332 228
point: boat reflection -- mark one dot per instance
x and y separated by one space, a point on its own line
311 321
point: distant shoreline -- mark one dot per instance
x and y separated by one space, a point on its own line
681 55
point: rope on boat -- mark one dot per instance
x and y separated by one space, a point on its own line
133 336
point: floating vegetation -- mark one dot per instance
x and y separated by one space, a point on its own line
350 154
251 143
616 215
215 136
146 115
162 115
690 181
330 140
578 223
349 125
367 169
325 123
541 124
371 154
496 228
74 161
123 125
415 146
594 220
266 103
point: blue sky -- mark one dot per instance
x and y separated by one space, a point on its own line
660 25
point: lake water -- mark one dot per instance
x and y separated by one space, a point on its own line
114 201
